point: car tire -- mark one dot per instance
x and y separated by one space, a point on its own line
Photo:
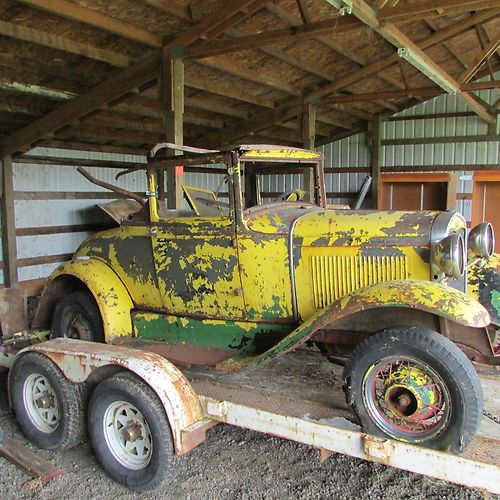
77 316
48 407
415 385
130 433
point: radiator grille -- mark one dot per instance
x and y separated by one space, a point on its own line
334 276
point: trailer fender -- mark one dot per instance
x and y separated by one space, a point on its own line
427 296
112 297
80 361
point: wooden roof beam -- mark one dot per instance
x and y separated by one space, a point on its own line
479 60
115 87
405 11
64 44
259 40
304 11
268 118
120 61
74 12
411 92
79 14
416 56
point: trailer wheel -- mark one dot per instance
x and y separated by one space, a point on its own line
48 407
77 316
414 385
130 433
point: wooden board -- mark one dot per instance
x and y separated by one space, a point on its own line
28 460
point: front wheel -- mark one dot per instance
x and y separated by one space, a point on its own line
130 433
414 385
77 316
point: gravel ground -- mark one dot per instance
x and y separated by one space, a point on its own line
232 463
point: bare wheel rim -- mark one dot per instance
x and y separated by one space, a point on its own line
127 435
40 402
76 325
406 398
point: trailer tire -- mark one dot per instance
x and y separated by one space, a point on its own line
122 410
415 385
77 316
48 407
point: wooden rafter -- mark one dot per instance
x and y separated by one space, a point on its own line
79 14
64 44
419 58
330 43
412 92
404 10
268 118
304 11
473 68
309 30
74 12
111 89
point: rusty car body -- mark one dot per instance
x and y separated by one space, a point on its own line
234 283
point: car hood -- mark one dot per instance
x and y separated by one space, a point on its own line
319 227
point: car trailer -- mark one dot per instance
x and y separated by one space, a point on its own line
282 398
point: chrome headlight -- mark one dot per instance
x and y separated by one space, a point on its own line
449 255
481 240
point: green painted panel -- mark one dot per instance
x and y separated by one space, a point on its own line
239 336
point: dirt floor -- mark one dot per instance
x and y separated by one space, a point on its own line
232 463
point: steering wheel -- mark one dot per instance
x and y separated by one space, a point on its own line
293 195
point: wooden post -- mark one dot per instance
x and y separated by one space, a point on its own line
9 244
173 101
308 140
376 153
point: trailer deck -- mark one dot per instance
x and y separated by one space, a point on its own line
299 397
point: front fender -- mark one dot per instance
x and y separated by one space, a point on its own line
112 297
427 296
484 285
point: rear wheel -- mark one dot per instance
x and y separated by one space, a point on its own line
130 433
77 316
48 407
414 385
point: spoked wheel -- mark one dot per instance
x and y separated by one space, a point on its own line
130 433
76 316
48 407
406 398
414 385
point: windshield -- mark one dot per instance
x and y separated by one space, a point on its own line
272 182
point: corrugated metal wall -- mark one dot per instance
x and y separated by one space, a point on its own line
34 178
349 152
353 151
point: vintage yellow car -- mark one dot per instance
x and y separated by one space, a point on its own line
234 281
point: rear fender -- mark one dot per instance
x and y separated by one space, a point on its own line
431 297
80 360
112 297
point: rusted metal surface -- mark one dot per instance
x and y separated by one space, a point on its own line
484 285
121 210
314 413
426 296
254 282
78 360
111 187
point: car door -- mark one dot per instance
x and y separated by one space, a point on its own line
197 267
